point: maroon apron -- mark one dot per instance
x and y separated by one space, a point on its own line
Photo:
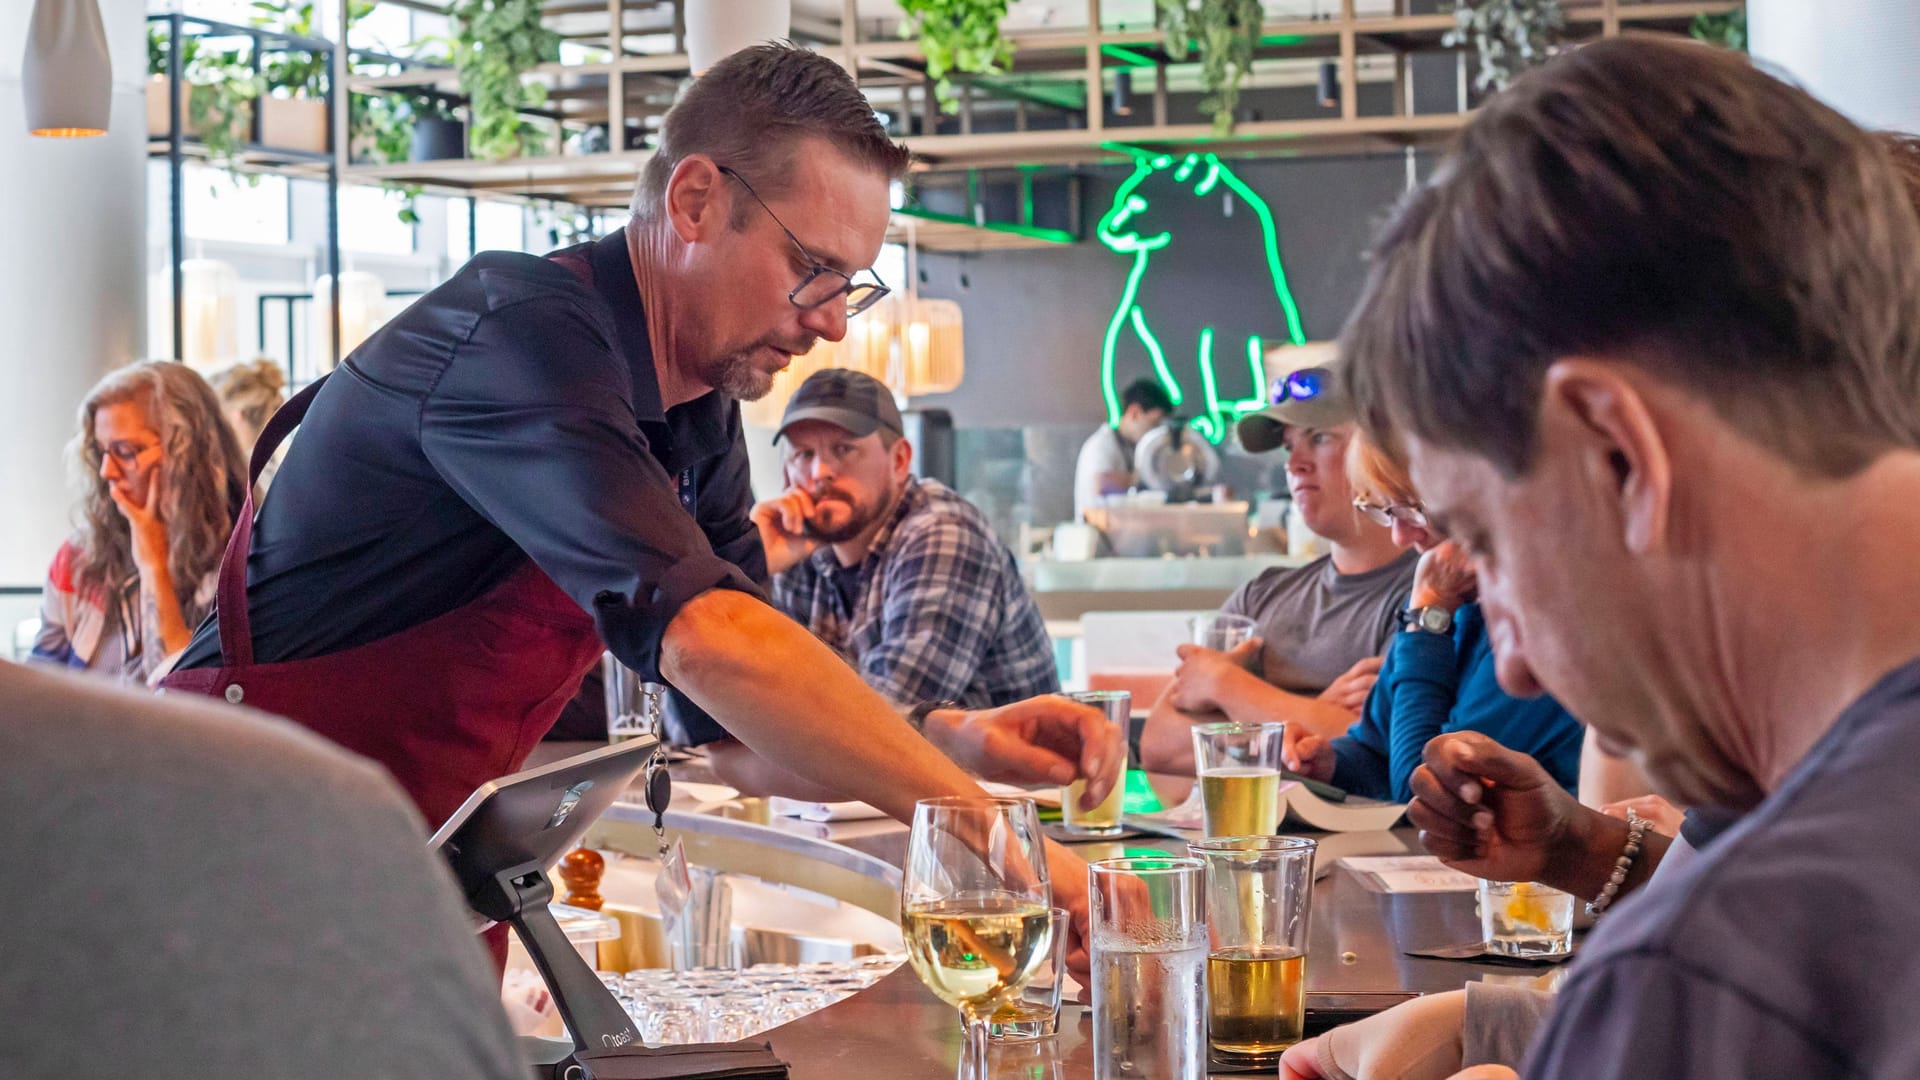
446 705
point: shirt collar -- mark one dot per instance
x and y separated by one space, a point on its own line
705 426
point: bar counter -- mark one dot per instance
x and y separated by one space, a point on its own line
897 1029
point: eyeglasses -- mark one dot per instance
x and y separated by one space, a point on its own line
822 282
1302 385
1408 513
127 454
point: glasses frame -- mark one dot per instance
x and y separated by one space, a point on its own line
1409 513
877 289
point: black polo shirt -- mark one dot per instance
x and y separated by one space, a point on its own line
512 412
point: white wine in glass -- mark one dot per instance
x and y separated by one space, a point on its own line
974 906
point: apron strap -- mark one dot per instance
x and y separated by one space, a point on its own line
236 628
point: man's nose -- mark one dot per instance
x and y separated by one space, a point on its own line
828 321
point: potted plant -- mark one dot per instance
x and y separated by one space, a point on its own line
1508 36
494 43
293 111
1224 33
216 100
438 135
957 35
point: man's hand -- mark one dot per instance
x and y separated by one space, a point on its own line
1205 676
1417 1040
782 522
1042 740
1308 754
1350 690
1490 811
1444 578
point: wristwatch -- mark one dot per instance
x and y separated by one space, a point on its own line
918 716
1430 620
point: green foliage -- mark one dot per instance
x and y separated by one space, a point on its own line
1729 31
1509 36
957 35
220 86
1224 32
495 41
302 73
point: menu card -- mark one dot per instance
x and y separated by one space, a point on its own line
1411 874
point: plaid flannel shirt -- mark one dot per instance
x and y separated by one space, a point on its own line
940 613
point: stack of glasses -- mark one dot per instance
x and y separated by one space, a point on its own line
672 1008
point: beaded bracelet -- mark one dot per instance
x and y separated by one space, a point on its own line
1636 832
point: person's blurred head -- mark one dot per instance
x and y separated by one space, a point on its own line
842 443
1653 300
770 161
249 394
1383 492
1144 405
148 419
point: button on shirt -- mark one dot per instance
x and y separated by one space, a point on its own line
937 613
512 412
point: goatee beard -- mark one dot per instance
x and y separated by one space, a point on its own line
737 377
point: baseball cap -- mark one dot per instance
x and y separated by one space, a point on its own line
1306 392
850 399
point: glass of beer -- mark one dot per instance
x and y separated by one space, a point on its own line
1239 770
976 907
1104 819
1220 632
1149 947
1259 897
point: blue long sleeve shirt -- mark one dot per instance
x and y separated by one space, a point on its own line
1431 684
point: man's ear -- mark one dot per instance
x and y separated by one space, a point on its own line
697 204
1622 451
902 458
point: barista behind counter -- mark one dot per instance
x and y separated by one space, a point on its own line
1105 465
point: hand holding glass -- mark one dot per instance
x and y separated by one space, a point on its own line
1104 819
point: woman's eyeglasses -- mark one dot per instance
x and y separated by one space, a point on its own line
1386 514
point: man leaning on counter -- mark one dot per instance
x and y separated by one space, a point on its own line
543 458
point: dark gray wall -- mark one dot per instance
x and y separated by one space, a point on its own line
1035 319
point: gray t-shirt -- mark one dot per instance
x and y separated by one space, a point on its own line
1790 947
194 890
1316 622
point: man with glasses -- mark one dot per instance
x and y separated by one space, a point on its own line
542 459
1320 629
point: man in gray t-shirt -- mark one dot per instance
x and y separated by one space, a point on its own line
1321 627
196 890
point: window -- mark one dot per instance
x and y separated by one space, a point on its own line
459 230
370 221
221 206
499 226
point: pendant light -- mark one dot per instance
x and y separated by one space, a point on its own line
66 77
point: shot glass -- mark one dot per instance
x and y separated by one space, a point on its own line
633 705
1259 900
1220 632
1149 968
1035 1014
1102 820
1524 918
1239 770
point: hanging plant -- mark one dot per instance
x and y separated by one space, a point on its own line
1509 36
220 89
957 35
1224 33
1729 31
495 42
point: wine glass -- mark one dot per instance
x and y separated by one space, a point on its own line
974 906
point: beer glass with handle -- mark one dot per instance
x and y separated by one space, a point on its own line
974 906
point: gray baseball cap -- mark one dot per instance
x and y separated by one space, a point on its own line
850 399
1306 392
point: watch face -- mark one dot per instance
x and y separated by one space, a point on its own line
1435 619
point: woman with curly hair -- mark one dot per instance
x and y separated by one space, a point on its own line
163 478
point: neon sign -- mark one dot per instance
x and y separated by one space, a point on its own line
1128 229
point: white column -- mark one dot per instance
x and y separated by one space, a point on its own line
72 282
1855 55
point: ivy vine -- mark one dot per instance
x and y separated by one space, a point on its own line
1224 32
957 35
494 43
1509 36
